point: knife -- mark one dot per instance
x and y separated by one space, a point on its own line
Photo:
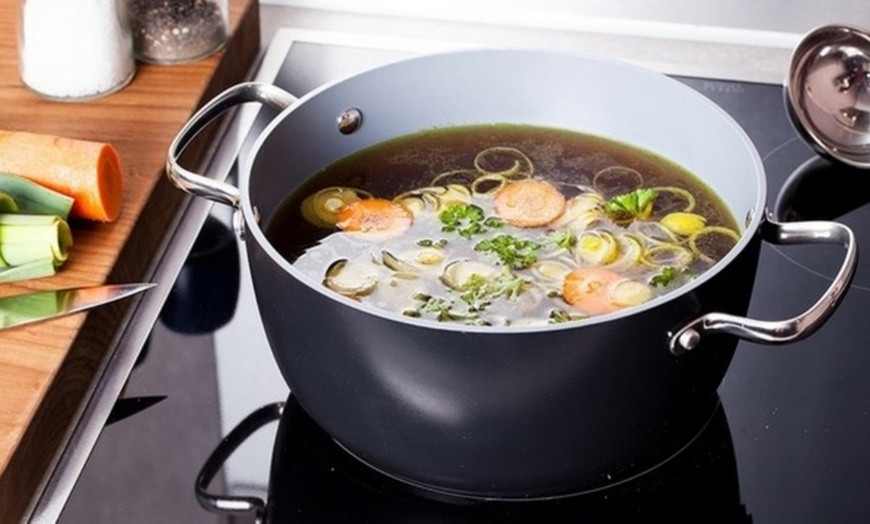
33 307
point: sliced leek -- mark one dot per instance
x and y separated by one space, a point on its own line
351 279
698 238
597 248
493 161
459 274
668 255
41 268
630 252
33 199
629 293
678 194
28 238
684 224
322 208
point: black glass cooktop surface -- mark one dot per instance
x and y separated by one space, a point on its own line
789 442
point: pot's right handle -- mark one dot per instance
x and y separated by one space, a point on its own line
792 329
199 185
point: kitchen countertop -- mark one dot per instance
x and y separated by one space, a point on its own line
49 371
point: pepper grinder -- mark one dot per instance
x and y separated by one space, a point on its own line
176 31
73 51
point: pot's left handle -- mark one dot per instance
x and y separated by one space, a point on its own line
199 185
792 329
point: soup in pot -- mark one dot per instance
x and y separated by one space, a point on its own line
503 225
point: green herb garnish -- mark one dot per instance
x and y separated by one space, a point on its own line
493 222
433 304
442 308
428 242
636 204
566 240
560 316
665 277
511 251
467 220
476 296
481 291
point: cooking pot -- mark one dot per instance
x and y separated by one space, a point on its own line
518 412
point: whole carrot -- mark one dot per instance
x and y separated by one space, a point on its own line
89 172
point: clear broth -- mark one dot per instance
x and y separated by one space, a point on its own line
572 162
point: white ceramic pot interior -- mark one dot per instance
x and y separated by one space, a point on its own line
601 97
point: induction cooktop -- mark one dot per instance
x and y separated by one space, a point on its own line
788 443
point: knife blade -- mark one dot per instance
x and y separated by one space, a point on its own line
28 308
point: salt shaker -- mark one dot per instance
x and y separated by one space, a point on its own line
176 31
75 50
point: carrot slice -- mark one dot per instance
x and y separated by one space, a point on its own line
89 172
529 203
376 218
589 289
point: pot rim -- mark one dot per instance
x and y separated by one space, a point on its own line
751 223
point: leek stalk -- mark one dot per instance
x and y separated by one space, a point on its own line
31 198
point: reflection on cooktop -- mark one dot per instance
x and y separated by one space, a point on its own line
822 189
314 480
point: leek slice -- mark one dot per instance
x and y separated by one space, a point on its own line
34 199
351 279
629 293
684 224
597 248
41 268
322 208
668 255
630 251
701 244
27 238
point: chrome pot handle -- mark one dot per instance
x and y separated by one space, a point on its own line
227 504
199 185
792 329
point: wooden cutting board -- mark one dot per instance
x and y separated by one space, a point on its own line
46 369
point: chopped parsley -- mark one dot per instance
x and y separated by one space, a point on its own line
566 240
560 316
428 242
442 308
480 291
477 295
467 220
665 277
628 206
511 251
